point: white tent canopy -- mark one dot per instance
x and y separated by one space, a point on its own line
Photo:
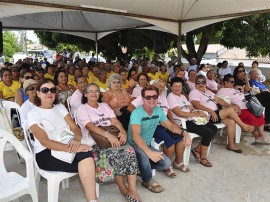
91 18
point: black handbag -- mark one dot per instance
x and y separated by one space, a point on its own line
254 105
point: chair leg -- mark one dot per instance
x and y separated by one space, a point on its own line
37 181
53 190
221 131
65 183
153 172
208 149
97 189
238 132
186 155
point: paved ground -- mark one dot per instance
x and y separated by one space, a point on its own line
233 177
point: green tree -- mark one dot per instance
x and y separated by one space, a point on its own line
10 44
251 33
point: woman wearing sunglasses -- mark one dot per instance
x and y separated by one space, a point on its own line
203 99
8 87
120 157
181 107
238 98
241 80
20 96
54 117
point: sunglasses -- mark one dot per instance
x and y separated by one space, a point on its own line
149 97
29 77
45 90
31 88
241 71
200 82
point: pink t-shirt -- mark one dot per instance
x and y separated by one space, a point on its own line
211 84
205 98
137 91
162 103
178 101
191 85
75 101
236 97
99 117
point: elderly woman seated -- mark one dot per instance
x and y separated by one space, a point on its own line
181 107
122 158
172 145
241 80
237 98
203 99
118 99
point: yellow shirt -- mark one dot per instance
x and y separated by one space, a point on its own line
153 76
102 85
71 80
92 79
9 91
125 85
164 77
49 76
109 74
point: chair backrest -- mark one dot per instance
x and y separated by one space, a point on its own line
5 137
69 107
8 105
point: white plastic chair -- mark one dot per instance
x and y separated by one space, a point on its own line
13 185
53 177
69 107
9 105
186 154
238 131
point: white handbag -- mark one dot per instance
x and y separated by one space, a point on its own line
64 137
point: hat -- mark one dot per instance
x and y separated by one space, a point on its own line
28 83
193 59
116 64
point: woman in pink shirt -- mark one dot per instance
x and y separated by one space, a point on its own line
191 79
143 81
211 84
123 158
205 100
237 98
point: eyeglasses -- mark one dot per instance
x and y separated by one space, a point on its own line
45 90
93 91
29 77
31 88
200 82
116 82
241 71
231 81
149 97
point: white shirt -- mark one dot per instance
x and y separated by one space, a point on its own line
25 109
75 101
223 71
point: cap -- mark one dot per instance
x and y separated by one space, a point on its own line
28 83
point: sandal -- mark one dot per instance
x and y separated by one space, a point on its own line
206 164
153 186
181 167
170 172
131 199
196 154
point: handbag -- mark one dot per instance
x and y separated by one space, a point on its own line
103 142
64 137
254 105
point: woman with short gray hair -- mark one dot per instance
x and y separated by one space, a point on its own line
118 99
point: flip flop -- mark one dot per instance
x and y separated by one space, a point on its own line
234 150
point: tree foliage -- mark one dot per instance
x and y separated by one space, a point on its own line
10 44
250 32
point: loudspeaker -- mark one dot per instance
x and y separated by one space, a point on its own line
1 39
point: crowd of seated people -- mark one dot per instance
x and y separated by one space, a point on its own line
145 100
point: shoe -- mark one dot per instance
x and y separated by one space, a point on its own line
206 163
170 172
153 186
262 141
234 150
267 128
131 199
195 154
181 167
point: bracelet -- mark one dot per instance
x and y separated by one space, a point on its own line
106 134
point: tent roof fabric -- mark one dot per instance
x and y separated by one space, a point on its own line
87 17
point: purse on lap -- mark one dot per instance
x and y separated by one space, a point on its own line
102 142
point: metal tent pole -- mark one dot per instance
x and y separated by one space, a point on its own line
179 42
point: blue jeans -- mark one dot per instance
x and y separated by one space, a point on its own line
146 165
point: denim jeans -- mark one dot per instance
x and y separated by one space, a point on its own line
146 165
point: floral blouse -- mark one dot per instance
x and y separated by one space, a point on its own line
116 101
